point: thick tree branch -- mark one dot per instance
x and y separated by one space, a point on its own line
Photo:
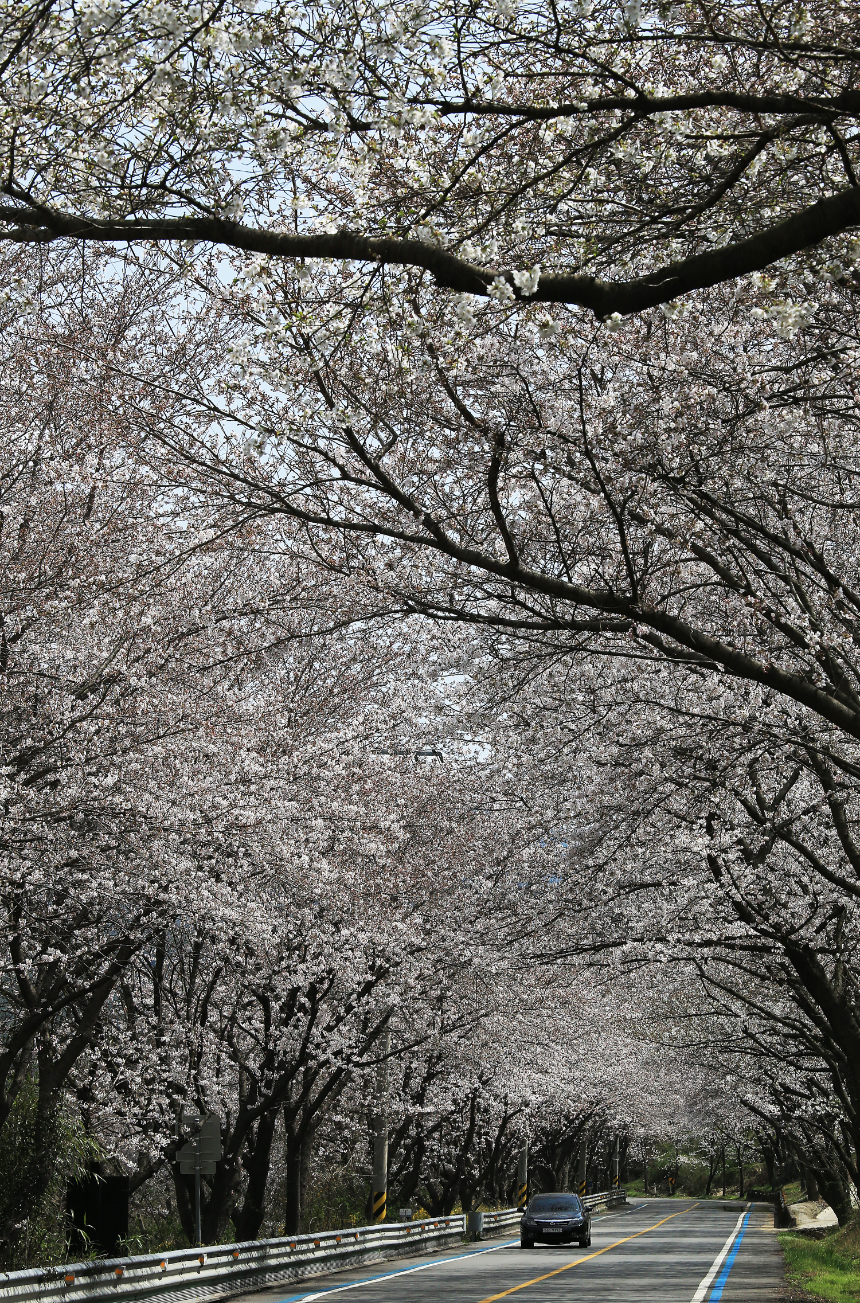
802 230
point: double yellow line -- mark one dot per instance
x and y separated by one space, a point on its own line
537 1280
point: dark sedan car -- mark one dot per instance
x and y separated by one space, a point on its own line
555 1219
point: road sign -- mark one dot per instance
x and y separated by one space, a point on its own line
187 1166
200 1154
210 1138
207 1142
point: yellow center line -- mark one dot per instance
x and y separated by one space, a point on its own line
537 1280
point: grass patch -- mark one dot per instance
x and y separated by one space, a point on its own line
829 1267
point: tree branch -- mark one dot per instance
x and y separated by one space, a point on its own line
37 224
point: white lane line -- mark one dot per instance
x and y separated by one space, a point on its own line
718 1260
403 1271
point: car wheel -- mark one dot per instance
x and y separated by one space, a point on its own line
527 1244
585 1244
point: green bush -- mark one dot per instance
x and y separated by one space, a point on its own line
37 1219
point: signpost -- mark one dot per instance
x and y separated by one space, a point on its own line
199 1155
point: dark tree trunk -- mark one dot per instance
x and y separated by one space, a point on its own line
305 1143
769 1164
433 1199
409 1183
183 1188
54 1063
835 1191
258 1160
712 1171
293 1203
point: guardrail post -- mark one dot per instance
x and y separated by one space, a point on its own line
523 1178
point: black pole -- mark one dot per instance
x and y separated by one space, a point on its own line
197 1227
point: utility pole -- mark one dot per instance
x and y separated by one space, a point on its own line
380 1133
616 1163
523 1178
583 1167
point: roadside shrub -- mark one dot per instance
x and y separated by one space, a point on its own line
39 1237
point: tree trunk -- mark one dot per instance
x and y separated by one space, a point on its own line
54 1063
293 1202
410 1181
712 1171
258 1159
769 1164
305 1142
183 1187
835 1191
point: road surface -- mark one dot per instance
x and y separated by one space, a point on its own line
654 1251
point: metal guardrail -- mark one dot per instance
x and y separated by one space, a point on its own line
504 1219
225 1270
605 1199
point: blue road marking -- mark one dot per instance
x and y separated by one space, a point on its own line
717 1291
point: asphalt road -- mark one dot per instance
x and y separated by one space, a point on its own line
655 1251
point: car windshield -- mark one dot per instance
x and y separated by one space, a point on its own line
554 1203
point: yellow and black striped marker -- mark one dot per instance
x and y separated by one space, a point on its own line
616 1181
582 1189
379 1200
523 1197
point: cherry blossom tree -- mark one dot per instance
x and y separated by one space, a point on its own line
399 333
682 536
611 156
